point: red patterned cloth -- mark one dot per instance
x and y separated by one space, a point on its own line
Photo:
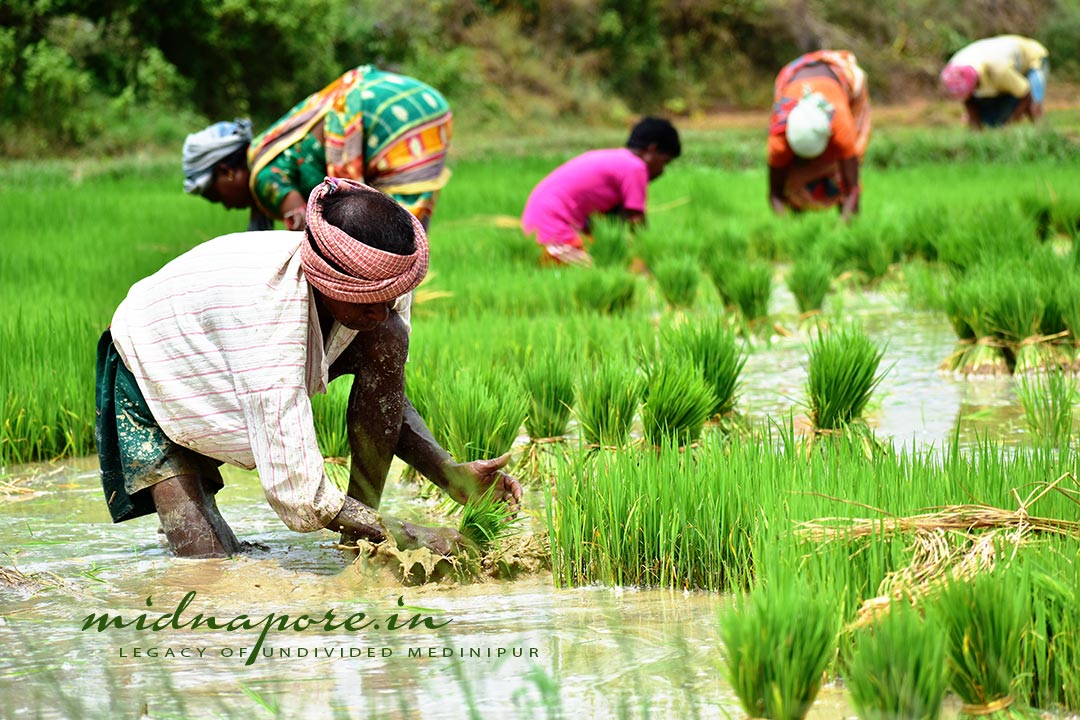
371 275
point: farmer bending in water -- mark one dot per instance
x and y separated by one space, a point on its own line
213 359
611 181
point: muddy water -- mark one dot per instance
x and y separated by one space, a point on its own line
915 404
582 653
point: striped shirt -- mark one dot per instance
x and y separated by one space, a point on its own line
225 344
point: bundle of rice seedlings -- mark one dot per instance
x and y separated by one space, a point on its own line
750 286
897 668
919 234
1051 659
549 380
606 291
778 639
1067 301
487 521
480 413
1014 311
863 248
991 231
1037 207
607 399
841 376
714 349
678 278
1048 400
984 621
980 351
677 402
1065 215
611 245
809 279
720 269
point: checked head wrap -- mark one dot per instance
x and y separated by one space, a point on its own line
370 275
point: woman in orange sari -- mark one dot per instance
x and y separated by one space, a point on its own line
818 133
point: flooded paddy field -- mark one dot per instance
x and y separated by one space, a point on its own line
554 643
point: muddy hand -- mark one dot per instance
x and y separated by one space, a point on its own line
477 476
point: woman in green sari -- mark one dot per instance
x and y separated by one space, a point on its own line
386 130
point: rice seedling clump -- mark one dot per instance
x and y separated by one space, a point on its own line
607 400
841 376
778 642
712 346
984 620
897 668
549 380
678 279
677 402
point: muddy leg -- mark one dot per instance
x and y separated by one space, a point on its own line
376 359
190 518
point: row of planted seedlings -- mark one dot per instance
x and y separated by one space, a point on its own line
713 515
1016 316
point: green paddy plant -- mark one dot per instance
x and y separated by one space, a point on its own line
665 518
678 279
611 245
606 291
487 521
480 413
713 347
1039 209
750 285
865 249
549 380
897 668
1051 659
984 620
721 267
979 351
920 232
677 402
1014 311
809 279
1068 304
1048 399
607 400
778 640
842 374
328 412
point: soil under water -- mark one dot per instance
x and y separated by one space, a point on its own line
509 648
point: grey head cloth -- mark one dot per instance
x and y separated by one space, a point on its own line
206 148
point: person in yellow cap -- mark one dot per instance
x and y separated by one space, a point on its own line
818 133
999 79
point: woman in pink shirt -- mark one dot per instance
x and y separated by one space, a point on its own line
599 181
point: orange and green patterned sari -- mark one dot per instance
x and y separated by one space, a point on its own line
389 131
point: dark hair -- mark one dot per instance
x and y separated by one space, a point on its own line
655 131
237 159
372 218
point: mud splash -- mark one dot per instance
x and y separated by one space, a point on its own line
515 557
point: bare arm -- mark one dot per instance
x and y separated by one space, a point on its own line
777 179
292 209
849 175
418 448
973 114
